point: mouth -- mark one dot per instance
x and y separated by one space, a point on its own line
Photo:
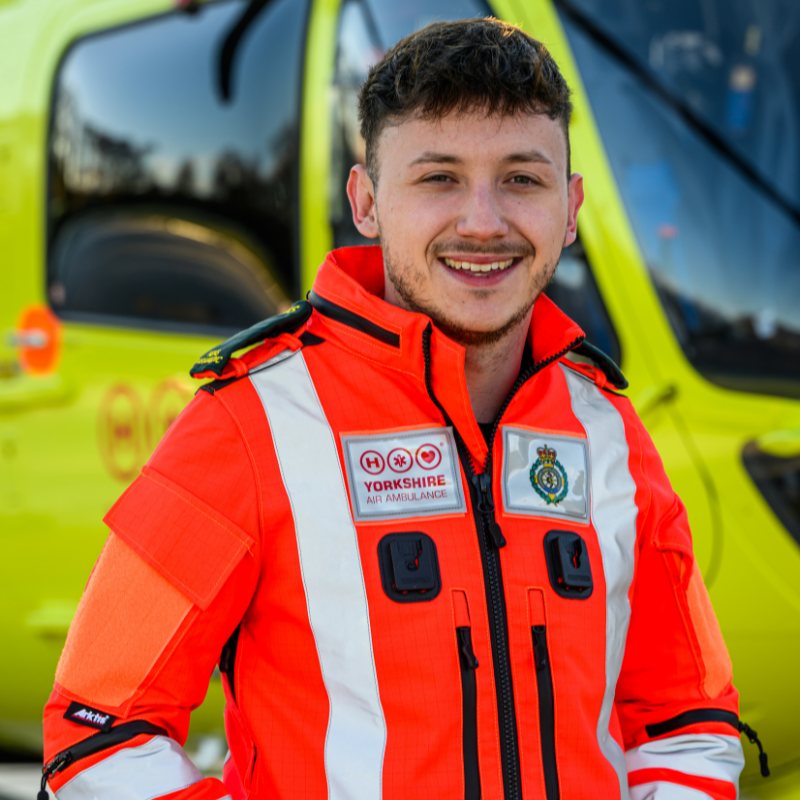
479 265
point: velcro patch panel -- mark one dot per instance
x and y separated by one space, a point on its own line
188 542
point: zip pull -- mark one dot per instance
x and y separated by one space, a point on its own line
483 483
58 764
497 534
753 737
539 647
465 645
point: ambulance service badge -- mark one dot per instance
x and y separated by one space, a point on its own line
548 477
545 474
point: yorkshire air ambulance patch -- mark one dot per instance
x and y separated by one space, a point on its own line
545 474
405 474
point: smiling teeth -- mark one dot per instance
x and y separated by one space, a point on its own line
472 267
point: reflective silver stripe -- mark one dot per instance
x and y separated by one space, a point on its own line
334 584
613 514
660 790
709 755
153 769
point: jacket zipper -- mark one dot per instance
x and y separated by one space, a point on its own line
469 706
547 710
490 539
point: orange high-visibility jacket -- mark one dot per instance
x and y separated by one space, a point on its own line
398 610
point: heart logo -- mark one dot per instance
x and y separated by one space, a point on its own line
428 456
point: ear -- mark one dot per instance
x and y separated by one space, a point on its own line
574 202
361 193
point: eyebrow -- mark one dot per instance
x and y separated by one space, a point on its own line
526 157
431 157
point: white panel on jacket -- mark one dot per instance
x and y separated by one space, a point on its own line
153 769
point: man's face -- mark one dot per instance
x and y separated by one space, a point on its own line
472 212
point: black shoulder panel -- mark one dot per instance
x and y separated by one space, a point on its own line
216 359
216 385
612 372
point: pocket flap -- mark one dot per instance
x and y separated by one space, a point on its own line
536 607
193 546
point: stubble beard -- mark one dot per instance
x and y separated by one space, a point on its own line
406 283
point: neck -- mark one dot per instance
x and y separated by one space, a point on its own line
491 371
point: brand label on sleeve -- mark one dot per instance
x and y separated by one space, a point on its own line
91 717
397 475
545 474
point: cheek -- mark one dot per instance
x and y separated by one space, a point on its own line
546 225
416 223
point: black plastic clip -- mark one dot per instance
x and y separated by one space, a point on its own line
409 567
568 564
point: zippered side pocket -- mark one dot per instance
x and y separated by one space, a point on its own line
544 683
242 748
469 695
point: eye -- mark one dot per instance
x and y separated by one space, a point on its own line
437 179
524 180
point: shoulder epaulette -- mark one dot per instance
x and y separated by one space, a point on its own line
214 360
604 363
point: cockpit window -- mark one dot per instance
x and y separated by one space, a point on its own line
173 193
698 104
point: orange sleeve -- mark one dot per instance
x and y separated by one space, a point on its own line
676 674
172 583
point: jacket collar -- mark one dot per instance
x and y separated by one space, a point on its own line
349 309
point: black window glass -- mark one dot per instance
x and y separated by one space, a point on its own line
698 104
173 195
735 64
574 290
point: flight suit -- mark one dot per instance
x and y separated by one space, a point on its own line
399 605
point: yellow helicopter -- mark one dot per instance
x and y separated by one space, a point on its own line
171 172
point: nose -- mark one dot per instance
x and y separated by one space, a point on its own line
481 215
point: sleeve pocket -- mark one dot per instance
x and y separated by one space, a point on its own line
700 623
674 541
188 542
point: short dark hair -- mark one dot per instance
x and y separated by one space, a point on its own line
459 67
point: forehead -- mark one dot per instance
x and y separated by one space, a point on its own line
472 138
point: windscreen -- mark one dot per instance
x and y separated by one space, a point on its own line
698 105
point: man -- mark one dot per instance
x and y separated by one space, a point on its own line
439 557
